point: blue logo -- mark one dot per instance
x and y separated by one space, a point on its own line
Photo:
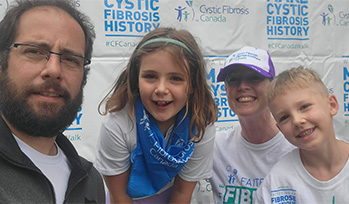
332 17
185 12
328 17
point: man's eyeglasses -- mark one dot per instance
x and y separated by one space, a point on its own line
36 53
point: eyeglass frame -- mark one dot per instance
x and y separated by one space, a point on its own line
49 52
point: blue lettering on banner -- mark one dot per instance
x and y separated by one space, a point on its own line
346 91
130 18
287 20
73 132
76 124
225 114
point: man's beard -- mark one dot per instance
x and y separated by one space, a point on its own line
49 121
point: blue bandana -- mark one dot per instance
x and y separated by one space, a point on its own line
154 164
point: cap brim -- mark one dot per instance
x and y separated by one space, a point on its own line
224 72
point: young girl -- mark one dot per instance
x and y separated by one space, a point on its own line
157 138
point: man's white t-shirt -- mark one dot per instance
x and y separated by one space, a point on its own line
55 168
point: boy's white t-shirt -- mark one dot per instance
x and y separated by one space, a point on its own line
55 168
290 182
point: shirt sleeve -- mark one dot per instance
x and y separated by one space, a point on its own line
200 163
263 193
115 144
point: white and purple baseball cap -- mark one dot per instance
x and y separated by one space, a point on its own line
256 59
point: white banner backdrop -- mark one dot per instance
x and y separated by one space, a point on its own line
311 33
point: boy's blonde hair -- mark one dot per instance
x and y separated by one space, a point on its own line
296 78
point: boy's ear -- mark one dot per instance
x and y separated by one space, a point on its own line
333 104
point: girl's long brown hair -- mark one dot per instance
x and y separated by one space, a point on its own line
201 106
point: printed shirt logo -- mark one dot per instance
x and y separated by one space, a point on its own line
239 189
238 194
283 196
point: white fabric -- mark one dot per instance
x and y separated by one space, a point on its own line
55 168
118 137
239 167
289 181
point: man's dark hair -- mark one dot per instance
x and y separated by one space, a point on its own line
9 26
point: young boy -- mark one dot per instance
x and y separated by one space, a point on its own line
318 171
